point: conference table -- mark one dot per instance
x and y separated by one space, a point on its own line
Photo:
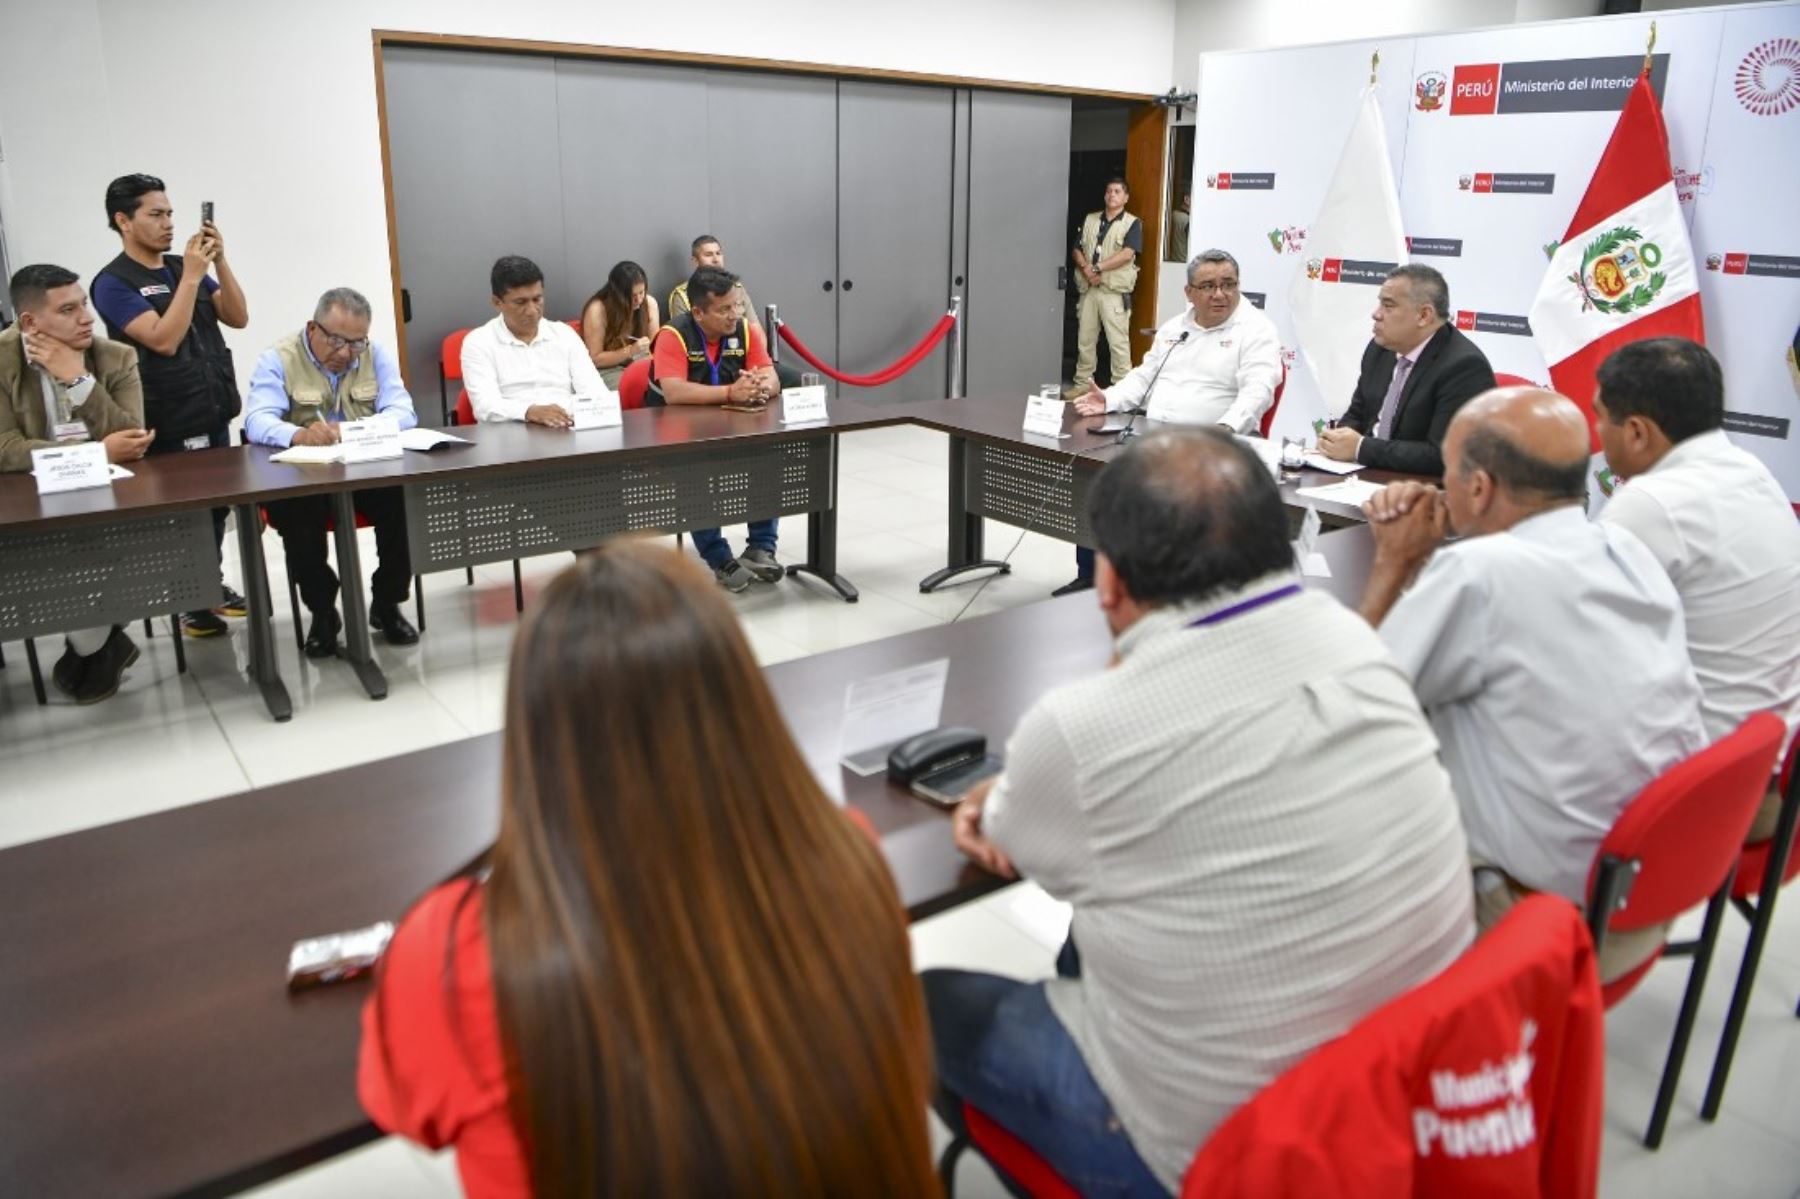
143 546
150 1046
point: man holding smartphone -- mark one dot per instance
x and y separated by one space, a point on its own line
169 308
59 386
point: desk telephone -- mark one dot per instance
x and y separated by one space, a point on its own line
940 766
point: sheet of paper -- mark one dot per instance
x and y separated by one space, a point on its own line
1331 465
1354 492
803 405
429 439
309 455
1262 447
374 440
1044 416
882 711
596 412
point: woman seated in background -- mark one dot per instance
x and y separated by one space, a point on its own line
679 970
618 322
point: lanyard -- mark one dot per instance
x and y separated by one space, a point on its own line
712 356
1249 605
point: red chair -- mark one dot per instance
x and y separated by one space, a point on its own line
633 384
1347 1119
1763 869
1674 846
450 368
1486 1080
1268 418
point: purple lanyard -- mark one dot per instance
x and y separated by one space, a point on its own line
1249 605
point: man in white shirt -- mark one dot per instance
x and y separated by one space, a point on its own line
1719 523
521 367
1247 814
1548 650
1217 363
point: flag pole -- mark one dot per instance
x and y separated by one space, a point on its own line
1648 48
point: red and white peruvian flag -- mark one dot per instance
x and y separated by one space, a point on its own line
1625 269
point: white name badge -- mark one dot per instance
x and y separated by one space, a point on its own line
374 440
803 405
70 468
1044 416
592 412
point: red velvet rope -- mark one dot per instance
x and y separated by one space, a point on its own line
913 356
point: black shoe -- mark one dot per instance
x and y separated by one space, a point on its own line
234 604
393 625
106 668
1073 585
69 668
321 638
203 622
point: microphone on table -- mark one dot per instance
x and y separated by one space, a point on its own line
1130 429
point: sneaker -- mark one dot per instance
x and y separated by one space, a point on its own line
734 576
203 622
234 605
1073 585
761 563
67 672
106 668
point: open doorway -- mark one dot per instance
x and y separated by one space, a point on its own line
1111 139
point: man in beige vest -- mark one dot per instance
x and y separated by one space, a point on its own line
303 386
1105 272
60 385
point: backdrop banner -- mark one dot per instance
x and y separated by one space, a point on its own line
1494 135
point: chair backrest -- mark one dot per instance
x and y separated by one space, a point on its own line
1684 831
1268 418
465 411
633 383
450 354
1487 1079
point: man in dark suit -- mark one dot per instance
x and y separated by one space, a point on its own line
1417 371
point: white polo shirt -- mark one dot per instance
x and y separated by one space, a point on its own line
1717 520
505 376
1225 375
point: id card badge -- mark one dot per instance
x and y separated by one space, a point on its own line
199 441
69 432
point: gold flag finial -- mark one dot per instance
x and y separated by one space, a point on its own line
1374 61
1650 47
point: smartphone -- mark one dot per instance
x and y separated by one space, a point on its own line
206 212
337 957
946 787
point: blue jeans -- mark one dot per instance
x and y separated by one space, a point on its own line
999 1046
712 545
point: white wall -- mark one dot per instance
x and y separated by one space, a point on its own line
269 109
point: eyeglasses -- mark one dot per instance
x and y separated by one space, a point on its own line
337 342
1210 287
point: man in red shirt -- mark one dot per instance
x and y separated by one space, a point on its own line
712 355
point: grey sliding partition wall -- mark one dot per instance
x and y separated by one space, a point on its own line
859 207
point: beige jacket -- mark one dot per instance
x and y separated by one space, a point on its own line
117 401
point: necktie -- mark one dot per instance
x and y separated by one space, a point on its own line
1384 424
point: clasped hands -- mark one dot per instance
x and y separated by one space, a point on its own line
1409 520
966 823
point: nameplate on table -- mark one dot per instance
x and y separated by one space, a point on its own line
70 467
1044 416
595 412
882 711
374 440
803 405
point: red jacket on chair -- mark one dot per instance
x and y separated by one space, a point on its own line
1484 1081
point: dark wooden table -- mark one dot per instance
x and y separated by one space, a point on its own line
148 1045
244 478
1000 472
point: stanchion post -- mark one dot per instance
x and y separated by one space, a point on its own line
771 318
953 363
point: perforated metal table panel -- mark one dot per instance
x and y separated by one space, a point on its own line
494 518
1045 494
83 576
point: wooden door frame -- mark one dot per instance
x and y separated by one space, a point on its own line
383 38
1146 164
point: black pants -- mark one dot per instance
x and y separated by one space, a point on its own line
302 524
220 436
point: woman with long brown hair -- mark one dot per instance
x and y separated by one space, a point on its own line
680 970
619 321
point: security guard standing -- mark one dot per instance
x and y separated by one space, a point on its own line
1106 271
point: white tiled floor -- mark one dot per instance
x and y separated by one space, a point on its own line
168 740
